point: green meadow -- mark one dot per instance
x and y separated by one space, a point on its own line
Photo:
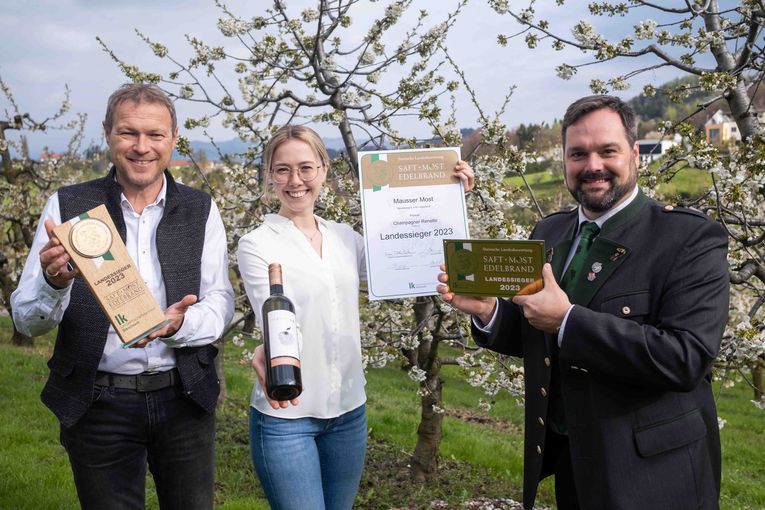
480 452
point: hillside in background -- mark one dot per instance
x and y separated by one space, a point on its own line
237 146
660 106
651 111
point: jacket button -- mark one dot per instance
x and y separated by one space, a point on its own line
547 361
543 392
626 310
539 450
541 421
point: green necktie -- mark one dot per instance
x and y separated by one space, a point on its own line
556 412
573 275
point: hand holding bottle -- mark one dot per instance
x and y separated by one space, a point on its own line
259 364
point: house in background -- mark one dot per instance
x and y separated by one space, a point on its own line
654 146
54 156
718 124
720 128
205 166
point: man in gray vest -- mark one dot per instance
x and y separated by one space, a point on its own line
618 346
121 409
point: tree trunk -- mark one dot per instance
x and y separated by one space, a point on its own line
425 457
5 154
740 108
737 97
249 323
350 143
757 379
221 371
21 340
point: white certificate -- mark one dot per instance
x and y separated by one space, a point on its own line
410 203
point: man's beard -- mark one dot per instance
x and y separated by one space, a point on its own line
611 197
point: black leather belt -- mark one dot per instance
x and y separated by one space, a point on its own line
147 381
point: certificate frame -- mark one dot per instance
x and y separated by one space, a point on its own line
410 202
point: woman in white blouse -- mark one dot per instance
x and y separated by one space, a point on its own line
309 452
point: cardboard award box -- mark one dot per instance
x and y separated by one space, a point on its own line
95 247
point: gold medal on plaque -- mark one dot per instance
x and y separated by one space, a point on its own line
91 238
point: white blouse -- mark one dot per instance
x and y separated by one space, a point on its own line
325 292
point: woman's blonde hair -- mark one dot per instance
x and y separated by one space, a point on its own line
291 132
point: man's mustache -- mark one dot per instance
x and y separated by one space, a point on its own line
588 176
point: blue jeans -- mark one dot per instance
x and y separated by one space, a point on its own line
309 463
123 430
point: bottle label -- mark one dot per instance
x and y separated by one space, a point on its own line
283 334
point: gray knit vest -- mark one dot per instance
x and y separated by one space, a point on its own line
83 329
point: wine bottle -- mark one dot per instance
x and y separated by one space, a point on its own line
281 341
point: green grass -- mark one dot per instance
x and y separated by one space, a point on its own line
34 472
541 182
743 450
481 454
686 184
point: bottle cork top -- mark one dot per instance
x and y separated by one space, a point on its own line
275 274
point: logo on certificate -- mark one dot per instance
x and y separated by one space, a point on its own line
377 173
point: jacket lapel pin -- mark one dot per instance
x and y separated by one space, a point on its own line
618 253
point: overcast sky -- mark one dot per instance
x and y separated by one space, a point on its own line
50 43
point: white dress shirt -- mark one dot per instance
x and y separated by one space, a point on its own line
325 292
38 307
600 221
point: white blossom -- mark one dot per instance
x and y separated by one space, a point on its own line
565 71
645 29
231 27
238 340
186 92
499 6
417 374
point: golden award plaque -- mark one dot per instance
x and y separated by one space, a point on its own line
500 268
95 247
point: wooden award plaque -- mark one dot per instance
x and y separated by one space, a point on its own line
95 247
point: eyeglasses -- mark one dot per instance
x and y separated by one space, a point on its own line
306 172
